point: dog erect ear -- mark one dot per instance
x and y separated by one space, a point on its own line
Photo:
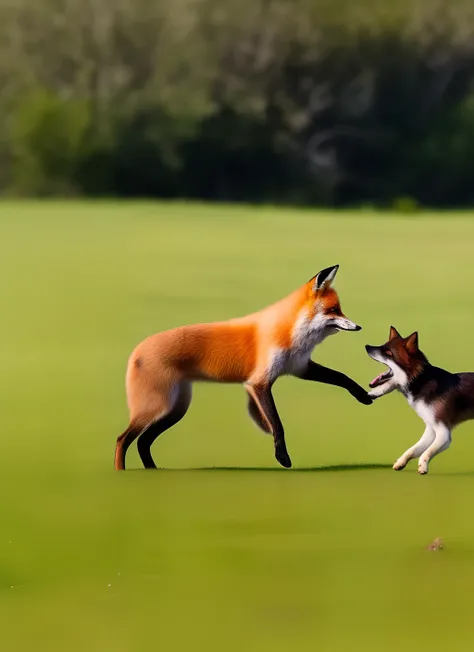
325 277
411 343
393 333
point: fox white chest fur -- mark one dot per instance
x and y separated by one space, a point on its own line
306 334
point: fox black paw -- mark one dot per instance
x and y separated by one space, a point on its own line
364 398
283 458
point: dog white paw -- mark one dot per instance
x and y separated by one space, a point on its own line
422 468
399 465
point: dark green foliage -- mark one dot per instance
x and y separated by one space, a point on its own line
47 140
301 102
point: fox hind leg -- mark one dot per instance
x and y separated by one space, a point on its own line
152 413
167 420
123 444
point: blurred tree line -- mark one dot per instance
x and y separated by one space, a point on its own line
331 102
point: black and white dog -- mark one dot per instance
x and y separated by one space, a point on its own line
443 400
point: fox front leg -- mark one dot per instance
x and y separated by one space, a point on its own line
262 400
318 373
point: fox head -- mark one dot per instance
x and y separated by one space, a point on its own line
402 357
325 312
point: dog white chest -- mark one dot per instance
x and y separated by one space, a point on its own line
423 410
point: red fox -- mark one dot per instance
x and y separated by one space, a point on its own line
253 350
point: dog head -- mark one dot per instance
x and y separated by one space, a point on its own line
401 355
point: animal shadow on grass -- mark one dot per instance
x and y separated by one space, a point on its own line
314 469
304 469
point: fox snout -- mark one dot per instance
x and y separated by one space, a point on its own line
345 324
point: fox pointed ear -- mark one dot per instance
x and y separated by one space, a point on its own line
325 277
411 343
393 333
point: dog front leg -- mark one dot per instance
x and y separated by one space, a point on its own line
382 390
320 374
416 450
441 442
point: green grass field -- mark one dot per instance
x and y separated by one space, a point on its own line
328 556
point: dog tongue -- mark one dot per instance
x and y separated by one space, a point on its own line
376 380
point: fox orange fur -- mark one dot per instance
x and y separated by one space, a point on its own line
253 350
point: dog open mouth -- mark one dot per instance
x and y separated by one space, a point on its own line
381 378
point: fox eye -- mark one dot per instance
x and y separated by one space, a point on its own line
332 311
389 353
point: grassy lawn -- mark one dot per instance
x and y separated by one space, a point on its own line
329 555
